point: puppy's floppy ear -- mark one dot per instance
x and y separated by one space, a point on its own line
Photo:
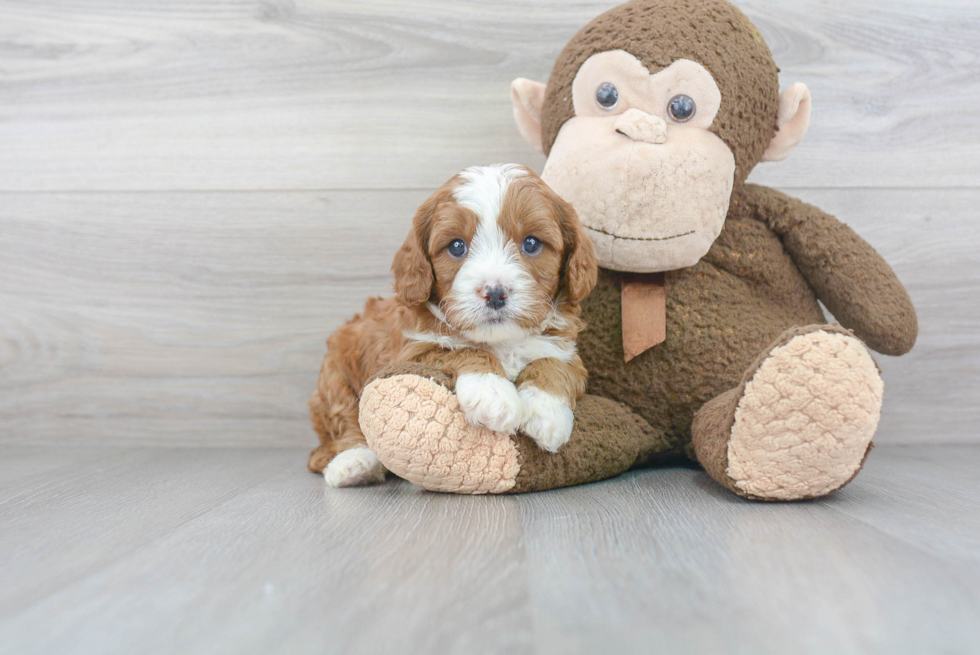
581 269
412 269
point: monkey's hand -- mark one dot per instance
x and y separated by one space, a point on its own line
848 275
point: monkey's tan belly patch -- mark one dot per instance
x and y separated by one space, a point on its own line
417 430
806 418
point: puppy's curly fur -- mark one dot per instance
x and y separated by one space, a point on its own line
502 318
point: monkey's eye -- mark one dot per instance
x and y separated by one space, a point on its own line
531 246
607 95
456 249
682 108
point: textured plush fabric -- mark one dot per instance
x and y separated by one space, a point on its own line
723 317
711 32
806 418
647 209
728 315
607 437
799 424
413 423
436 448
849 276
721 314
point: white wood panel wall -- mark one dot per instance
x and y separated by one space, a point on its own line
194 193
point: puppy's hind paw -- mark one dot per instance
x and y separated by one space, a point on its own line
355 467
548 419
490 401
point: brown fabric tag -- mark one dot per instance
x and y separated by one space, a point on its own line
644 312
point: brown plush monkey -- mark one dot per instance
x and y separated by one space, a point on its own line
705 338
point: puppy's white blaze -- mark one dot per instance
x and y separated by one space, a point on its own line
492 260
484 188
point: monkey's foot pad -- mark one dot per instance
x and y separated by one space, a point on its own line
806 419
416 429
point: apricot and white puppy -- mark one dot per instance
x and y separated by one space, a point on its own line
488 288
499 250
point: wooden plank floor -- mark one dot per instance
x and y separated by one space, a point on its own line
154 550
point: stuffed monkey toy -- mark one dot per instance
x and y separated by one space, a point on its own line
705 338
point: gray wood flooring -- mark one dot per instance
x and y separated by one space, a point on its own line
158 550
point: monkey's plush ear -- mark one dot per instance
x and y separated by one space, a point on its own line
411 267
793 121
527 97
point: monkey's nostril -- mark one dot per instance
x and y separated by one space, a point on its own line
496 298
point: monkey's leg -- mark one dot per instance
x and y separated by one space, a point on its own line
800 423
412 421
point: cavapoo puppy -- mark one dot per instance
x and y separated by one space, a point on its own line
488 287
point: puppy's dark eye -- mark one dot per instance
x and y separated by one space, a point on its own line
607 95
531 246
682 108
457 248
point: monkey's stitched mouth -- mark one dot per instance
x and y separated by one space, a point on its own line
616 236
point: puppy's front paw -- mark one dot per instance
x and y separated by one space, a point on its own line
547 419
355 467
489 400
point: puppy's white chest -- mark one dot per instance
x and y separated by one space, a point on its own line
514 356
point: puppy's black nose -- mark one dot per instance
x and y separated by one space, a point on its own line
496 298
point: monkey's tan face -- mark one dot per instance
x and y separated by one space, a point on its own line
648 179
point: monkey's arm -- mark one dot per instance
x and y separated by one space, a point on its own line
848 275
